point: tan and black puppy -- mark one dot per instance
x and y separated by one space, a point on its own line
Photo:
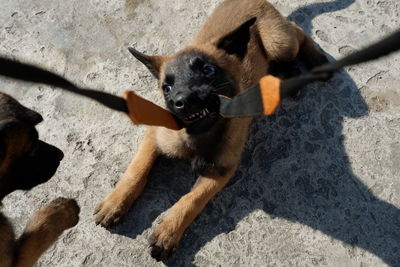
231 52
26 161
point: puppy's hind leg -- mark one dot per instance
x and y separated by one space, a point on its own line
283 40
42 230
114 206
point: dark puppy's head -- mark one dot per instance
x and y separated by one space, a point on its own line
25 161
192 79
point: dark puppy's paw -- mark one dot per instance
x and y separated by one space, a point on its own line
70 207
65 208
60 214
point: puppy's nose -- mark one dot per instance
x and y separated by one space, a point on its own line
180 101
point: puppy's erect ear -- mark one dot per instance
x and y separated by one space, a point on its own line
235 43
153 63
12 109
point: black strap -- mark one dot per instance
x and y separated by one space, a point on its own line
377 50
289 87
246 104
249 103
30 73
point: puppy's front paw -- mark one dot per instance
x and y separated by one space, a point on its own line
61 213
110 211
164 240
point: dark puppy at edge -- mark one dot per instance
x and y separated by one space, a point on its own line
26 161
231 52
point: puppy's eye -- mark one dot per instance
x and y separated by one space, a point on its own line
167 88
208 69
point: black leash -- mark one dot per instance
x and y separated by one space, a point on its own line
382 48
30 73
379 49
253 102
261 99
139 110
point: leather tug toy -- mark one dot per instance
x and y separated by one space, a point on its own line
261 99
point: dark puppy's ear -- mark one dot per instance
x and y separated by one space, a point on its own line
235 43
153 63
12 109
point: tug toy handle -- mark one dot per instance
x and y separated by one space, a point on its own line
142 111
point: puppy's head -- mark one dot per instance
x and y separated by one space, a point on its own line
192 79
25 161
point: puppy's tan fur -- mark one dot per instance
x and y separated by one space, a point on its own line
272 38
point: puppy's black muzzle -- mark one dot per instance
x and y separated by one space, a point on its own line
39 165
186 102
197 110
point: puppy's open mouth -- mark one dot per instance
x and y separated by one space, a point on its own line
202 119
198 116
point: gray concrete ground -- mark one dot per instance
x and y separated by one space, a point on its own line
319 181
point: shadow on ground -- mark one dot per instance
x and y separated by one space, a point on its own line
295 167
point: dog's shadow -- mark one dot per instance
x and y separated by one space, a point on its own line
295 167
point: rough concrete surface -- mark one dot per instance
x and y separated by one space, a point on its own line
319 181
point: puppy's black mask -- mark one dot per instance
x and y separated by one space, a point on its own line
193 80
191 87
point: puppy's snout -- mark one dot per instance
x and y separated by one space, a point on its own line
56 153
49 151
186 101
59 154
